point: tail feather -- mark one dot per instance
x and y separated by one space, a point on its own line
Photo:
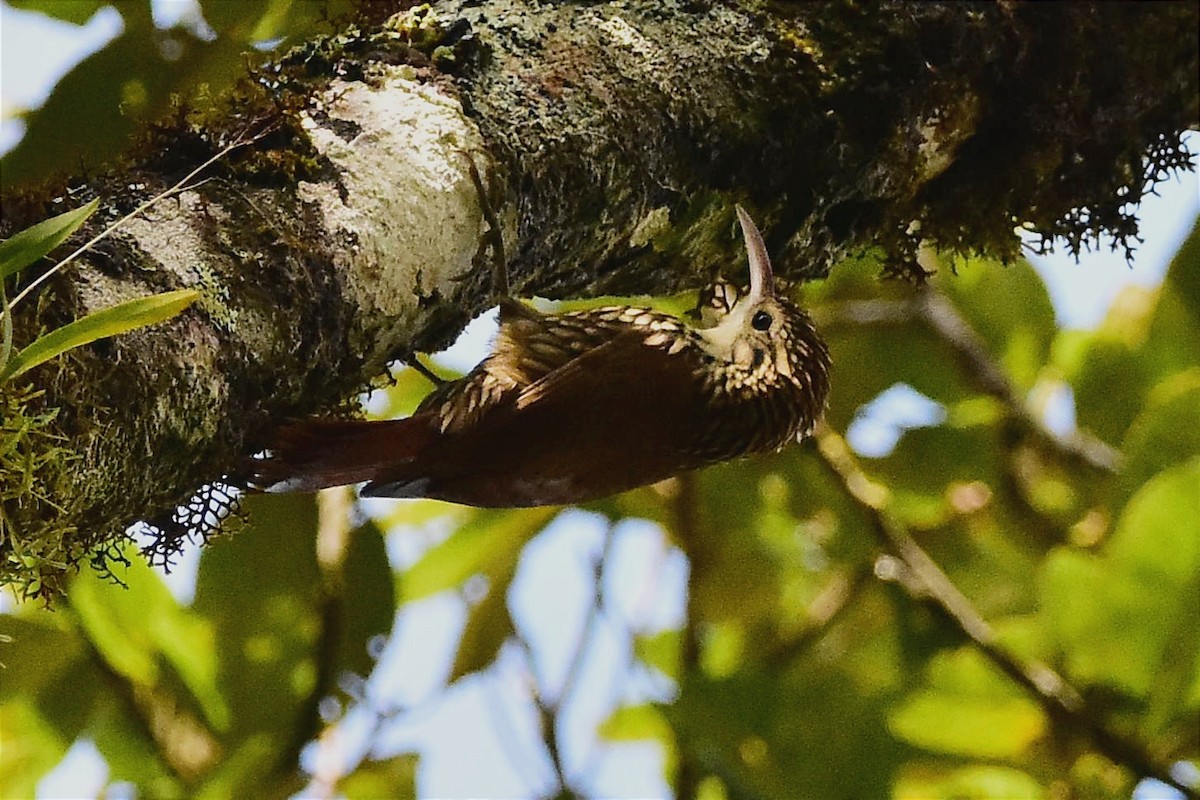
318 453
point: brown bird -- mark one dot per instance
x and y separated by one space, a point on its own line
581 405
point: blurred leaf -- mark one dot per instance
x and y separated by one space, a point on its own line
1173 341
633 723
41 667
814 728
1167 432
42 648
484 544
76 12
935 782
1108 377
1010 309
867 359
1117 615
121 736
368 602
258 590
29 747
26 247
238 770
140 629
123 317
488 626
660 651
394 778
970 726
236 19
928 461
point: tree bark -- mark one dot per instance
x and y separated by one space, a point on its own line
614 139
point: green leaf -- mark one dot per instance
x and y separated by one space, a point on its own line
969 726
1167 432
488 626
394 778
978 782
27 246
123 317
1009 308
259 592
635 723
483 545
367 605
29 747
141 629
1121 617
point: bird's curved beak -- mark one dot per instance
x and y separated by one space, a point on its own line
762 281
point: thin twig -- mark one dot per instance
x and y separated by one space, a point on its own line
1059 699
179 187
939 314
547 722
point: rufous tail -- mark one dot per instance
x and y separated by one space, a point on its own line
319 453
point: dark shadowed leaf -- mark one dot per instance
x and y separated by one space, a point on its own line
259 590
367 605
488 626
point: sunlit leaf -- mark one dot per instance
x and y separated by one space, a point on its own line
981 782
1116 614
488 539
121 318
970 726
394 778
27 246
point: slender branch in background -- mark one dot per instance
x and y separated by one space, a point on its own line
550 711
689 772
333 535
591 622
547 723
931 307
1059 699
944 320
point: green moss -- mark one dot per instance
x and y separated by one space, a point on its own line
36 551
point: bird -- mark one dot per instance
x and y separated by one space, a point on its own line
581 405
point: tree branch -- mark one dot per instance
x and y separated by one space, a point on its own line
1058 698
620 134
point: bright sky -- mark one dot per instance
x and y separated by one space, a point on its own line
483 722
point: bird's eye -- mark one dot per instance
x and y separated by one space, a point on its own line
760 321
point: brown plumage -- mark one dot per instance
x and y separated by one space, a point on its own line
576 406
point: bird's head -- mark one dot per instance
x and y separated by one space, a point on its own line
756 338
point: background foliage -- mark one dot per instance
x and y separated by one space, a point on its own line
811 661
817 655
